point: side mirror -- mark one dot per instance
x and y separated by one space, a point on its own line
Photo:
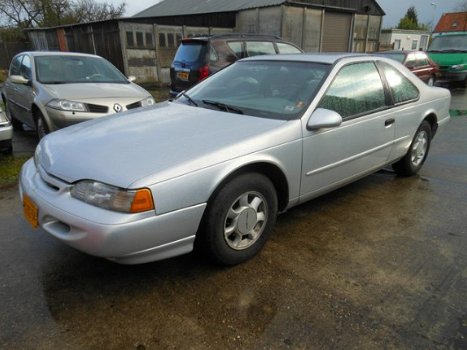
131 78
323 118
19 79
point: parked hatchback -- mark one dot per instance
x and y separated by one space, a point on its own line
417 62
199 57
51 90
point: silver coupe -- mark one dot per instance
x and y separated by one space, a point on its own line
212 169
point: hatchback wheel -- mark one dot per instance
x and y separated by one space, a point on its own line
239 219
412 162
41 126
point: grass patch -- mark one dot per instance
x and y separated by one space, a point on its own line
10 167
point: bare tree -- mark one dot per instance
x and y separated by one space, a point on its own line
46 13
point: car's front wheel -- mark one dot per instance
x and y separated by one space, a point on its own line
412 162
239 219
42 128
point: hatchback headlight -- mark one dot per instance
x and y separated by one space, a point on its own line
113 198
147 102
66 105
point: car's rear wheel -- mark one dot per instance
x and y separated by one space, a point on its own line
42 128
239 219
413 161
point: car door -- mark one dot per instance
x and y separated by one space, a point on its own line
10 87
361 144
25 93
423 66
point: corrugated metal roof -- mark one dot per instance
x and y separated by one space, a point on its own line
192 7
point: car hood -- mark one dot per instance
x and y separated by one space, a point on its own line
92 91
154 144
448 58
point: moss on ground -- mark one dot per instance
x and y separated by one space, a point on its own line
10 167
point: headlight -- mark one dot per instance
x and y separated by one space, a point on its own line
113 198
65 105
3 118
147 102
458 67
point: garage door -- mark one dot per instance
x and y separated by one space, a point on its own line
336 32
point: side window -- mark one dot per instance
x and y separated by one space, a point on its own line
255 48
26 68
402 88
236 47
213 55
16 65
286 48
411 62
357 89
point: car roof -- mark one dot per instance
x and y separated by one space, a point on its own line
55 53
327 58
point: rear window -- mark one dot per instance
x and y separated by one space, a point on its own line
190 52
256 48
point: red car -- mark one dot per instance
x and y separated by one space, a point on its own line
417 61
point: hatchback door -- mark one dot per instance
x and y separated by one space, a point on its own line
189 65
25 93
361 144
10 88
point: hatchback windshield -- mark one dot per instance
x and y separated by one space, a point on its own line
270 89
76 69
449 43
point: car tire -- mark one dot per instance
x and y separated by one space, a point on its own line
413 161
17 125
239 219
431 81
42 128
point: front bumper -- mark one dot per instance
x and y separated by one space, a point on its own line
123 238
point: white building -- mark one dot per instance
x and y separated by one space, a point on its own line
404 39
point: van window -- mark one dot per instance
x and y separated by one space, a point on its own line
255 48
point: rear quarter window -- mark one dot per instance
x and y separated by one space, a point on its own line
401 88
256 48
286 48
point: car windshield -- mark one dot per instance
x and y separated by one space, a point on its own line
455 43
269 89
400 57
68 69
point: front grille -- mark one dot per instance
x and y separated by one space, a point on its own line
444 67
134 105
97 108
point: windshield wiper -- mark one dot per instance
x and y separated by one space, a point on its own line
223 106
189 98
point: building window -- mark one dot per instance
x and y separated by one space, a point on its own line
414 44
149 42
139 39
170 40
162 41
130 41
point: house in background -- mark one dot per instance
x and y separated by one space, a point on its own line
404 39
452 22
144 45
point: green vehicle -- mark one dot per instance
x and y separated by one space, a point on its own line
449 51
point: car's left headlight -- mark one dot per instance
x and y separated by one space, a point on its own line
458 67
147 102
113 198
66 105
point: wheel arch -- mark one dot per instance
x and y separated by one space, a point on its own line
272 171
432 119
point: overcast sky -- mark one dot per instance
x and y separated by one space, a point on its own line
427 10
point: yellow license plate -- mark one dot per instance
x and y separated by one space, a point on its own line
183 75
31 212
